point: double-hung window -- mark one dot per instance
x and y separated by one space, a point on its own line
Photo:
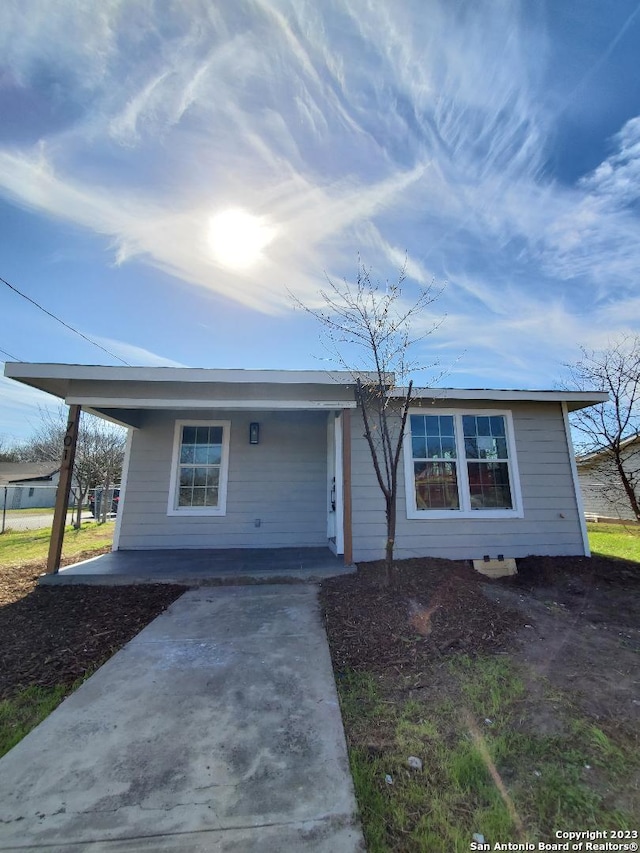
461 464
199 469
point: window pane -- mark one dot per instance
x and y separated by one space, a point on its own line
186 453
432 423
501 447
200 477
419 446
469 425
184 497
198 497
448 443
213 477
201 454
483 426
214 456
489 485
497 425
487 448
211 497
436 485
188 435
446 425
186 477
417 424
215 435
434 450
471 447
202 435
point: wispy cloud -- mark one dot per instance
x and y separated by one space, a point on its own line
398 129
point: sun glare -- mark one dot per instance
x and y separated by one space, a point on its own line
237 238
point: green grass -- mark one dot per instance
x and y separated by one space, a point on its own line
488 765
22 712
615 540
24 546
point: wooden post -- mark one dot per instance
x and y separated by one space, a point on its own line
346 486
62 494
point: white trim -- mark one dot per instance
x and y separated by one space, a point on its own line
465 510
200 403
337 421
123 489
221 509
576 482
445 395
32 370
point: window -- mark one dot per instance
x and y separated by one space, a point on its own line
461 465
199 470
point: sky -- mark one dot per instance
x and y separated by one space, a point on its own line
174 174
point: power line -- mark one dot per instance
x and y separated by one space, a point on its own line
62 322
12 357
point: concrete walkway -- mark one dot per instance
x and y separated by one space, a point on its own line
216 729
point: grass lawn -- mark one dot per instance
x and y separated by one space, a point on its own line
615 540
25 546
20 713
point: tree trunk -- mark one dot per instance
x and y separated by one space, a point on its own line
628 487
78 522
391 537
105 499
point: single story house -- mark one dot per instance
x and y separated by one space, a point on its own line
603 494
24 485
278 458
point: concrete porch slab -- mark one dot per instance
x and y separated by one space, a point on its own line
200 567
217 728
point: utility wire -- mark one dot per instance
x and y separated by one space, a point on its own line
66 325
12 357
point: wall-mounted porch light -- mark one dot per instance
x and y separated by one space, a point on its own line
254 433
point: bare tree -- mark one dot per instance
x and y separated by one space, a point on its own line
371 331
8 452
607 429
99 452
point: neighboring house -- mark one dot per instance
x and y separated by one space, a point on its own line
603 494
27 484
270 459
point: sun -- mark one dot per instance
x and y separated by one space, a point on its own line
237 238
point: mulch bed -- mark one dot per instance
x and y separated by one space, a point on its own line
56 634
438 607
432 608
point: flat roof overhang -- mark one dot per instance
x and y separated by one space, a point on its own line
108 391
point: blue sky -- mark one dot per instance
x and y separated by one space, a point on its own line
496 143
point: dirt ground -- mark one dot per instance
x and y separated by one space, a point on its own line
56 634
574 620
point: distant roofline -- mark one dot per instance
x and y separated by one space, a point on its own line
603 451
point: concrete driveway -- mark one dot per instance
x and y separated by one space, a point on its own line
217 728
25 521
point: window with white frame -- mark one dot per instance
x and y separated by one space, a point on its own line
461 464
199 469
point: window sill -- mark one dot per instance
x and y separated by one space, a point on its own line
206 513
456 514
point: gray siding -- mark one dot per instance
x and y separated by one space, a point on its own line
603 494
551 523
282 481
